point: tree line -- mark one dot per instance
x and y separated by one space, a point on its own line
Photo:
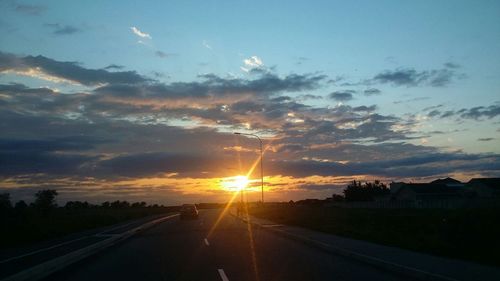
45 203
355 191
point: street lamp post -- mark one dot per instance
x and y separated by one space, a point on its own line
261 167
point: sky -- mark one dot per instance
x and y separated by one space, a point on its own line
138 101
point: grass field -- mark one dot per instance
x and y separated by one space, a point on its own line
471 234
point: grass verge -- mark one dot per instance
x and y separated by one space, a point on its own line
470 234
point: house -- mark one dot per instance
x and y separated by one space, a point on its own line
485 187
448 182
425 191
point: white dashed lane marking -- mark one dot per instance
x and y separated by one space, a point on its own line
222 274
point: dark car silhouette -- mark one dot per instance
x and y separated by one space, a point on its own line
189 211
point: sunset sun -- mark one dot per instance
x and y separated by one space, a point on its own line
235 183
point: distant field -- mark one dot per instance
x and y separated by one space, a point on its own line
30 226
472 234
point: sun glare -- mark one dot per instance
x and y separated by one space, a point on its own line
235 183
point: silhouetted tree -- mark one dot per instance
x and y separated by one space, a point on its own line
21 205
76 205
138 205
364 192
45 200
105 204
119 204
5 203
337 198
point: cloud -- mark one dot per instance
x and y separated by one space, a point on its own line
434 113
32 10
114 66
59 29
452 65
372 92
411 100
411 78
342 96
485 139
161 54
426 165
309 97
254 65
476 113
480 112
206 45
92 136
253 61
139 33
33 156
57 71
213 85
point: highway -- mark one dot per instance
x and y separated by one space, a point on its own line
196 250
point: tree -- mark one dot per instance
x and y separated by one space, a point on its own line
45 200
5 203
119 204
21 205
337 198
77 205
364 192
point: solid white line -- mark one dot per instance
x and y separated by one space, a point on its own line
206 242
222 274
42 250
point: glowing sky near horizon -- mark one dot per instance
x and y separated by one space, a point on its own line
138 100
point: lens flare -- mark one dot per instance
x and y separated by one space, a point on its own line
235 183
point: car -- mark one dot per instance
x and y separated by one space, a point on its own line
189 211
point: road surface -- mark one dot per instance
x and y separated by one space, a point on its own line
195 250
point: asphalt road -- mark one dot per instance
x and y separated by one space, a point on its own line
189 250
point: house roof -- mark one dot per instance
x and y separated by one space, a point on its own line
430 188
447 180
490 182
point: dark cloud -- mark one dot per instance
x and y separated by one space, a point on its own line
122 129
342 95
370 108
161 54
114 66
476 113
212 85
59 29
480 112
67 70
34 156
69 143
433 107
411 100
148 164
322 186
309 97
446 114
434 113
411 78
427 165
485 139
372 92
452 65
32 10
